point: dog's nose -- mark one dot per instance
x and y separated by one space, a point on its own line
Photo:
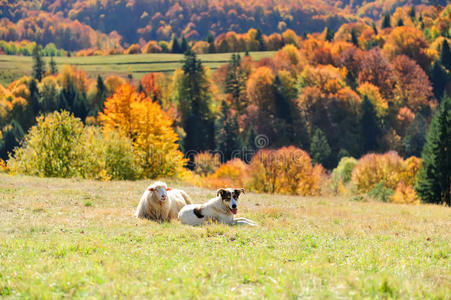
233 205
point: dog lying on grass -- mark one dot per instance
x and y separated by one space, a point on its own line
221 209
160 203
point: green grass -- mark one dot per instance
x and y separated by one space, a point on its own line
78 238
14 67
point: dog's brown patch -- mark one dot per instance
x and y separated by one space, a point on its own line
198 213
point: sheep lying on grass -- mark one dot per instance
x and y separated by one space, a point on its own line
161 203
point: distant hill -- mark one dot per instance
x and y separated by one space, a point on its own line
81 24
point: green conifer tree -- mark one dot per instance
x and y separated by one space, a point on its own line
329 36
413 141
260 40
319 149
175 48
184 45
228 140
369 125
100 97
386 23
354 39
197 117
211 43
283 115
52 66
439 78
12 136
445 55
250 145
38 63
434 177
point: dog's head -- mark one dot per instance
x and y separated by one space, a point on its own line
230 197
158 191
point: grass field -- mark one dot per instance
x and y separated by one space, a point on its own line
14 67
78 238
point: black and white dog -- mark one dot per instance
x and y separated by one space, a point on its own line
222 208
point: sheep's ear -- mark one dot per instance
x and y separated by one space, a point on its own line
151 189
219 192
168 189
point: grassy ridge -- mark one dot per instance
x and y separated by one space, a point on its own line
79 238
13 67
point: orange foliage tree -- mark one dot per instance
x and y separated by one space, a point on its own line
286 171
410 42
155 143
412 84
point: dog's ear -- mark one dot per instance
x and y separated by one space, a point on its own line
151 189
238 191
219 192
242 190
168 189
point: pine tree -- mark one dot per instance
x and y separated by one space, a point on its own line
434 177
351 80
319 149
228 140
369 126
184 45
260 40
12 136
211 42
250 145
175 45
412 13
38 63
329 35
445 55
386 23
100 97
236 84
283 114
52 66
80 107
439 79
197 118
354 39
400 23
413 141
33 98
374 28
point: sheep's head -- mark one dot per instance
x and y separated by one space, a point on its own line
158 191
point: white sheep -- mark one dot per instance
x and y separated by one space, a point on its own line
161 203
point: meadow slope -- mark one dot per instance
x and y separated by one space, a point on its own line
79 238
13 67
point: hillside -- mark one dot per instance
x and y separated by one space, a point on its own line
13 67
79 24
77 238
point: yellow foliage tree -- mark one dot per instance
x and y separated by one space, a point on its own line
155 143
404 194
373 94
388 168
